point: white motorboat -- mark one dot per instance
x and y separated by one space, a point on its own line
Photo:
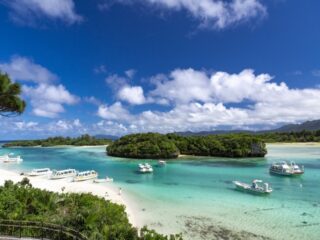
39 172
63 174
103 180
285 169
254 187
145 168
8 159
85 175
162 162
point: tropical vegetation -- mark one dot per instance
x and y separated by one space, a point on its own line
10 102
144 145
155 145
92 216
84 140
301 136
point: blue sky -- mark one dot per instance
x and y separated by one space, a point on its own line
122 66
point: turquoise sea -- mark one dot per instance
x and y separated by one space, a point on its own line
196 196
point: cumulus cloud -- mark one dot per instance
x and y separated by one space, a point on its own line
199 100
132 94
217 14
46 96
30 12
116 81
114 112
47 100
24 69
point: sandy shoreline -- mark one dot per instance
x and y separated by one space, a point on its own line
109 191
314 144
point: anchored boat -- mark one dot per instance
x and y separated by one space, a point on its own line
145 168
8 159
254 187
63 174
162 162
86 175
39 172
285 169
103 180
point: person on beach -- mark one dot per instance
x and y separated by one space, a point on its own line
120 191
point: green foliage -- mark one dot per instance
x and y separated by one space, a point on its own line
302 136
143 145
92 216
155 145
10 101
56 141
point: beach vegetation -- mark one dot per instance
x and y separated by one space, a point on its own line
92 216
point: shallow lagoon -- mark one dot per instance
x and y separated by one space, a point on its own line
198 199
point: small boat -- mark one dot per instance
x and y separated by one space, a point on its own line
145 168
85 175
254 187
103 180
162 162
9 159
285 169
63 174
39 172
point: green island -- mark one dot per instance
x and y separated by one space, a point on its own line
84 140
93 217
155 145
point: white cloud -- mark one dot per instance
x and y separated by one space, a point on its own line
46 97
199 100
23 125
216 14
116 82
47 100
24 69
31 12
132 94
114 112
20 129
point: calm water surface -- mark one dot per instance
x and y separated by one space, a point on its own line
196 196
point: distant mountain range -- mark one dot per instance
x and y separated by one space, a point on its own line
308 126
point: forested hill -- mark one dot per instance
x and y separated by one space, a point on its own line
155 145
84 140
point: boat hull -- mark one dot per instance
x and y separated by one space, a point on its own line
286 174
84 178
248 189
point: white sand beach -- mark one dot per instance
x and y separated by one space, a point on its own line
109 191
